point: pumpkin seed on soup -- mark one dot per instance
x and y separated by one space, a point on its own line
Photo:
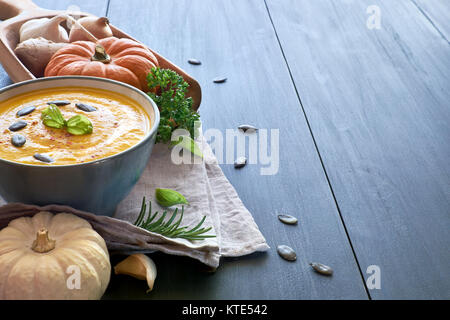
16 126
59 103
24 111
43 158
18 140
85 107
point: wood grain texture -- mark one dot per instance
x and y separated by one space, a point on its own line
438 13
378 105
235 39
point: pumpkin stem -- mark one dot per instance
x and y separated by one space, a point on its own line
101 55
43 243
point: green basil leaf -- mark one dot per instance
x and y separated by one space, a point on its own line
169 197
52 117
79 125
189 144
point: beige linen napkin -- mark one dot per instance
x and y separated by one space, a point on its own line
209 194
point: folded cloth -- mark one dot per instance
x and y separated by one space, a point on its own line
209 194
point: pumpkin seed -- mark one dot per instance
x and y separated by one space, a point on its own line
59 103
286 252
287 219
321 268
195 62
219 80
247 127
25 111
43 158
240 162
85 107
16 126
18 140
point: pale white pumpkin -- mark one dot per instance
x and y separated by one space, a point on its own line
49 256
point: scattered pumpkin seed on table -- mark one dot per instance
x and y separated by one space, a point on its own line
247 127
195 62
219 80
287 253
240 162
287 219
321 268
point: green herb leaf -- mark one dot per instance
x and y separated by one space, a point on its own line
52 117
168 90
169 197
79 125
188 144
171 228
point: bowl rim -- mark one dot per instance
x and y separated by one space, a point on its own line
149 134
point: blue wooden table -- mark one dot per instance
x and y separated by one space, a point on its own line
360 91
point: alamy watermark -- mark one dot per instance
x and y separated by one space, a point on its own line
374 279
374 19
73 281
261 147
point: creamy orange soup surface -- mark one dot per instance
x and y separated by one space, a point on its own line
118 124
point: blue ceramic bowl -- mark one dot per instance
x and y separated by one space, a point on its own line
96 186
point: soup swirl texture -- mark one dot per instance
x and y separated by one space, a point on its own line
118 124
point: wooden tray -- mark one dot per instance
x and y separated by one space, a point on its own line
16 12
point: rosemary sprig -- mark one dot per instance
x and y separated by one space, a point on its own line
170 228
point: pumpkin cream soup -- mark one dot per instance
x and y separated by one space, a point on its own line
71 125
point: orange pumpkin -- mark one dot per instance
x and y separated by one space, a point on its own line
118 59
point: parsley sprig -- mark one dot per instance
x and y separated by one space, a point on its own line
168 89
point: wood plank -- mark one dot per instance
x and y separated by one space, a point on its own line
378 105
438 12
95 7
236 40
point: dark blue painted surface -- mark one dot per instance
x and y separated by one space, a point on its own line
378 105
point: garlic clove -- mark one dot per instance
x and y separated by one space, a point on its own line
138 266
98 27
46 28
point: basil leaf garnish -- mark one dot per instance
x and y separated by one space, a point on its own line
79 125
169 197
52 117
